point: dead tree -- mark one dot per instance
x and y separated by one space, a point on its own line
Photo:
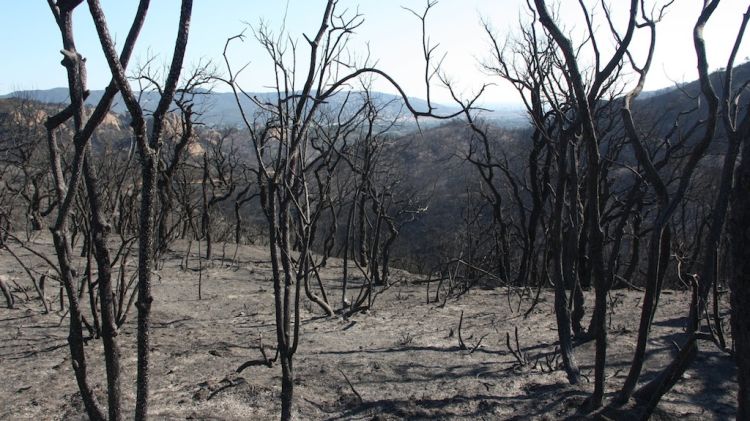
736 126
196 84
667 201
526 65
23 154
282 144
66 191
149 143
380 200
241 199
536 73
735 130
585 100
220 161
739 227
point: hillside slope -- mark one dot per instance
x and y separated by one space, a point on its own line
402 357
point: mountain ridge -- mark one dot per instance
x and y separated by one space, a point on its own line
220 108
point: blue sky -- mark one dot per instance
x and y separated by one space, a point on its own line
31 54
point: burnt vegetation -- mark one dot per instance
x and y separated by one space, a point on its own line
604 190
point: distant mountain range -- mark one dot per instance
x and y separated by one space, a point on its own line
220 108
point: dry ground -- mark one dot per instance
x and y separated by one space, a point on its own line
402 358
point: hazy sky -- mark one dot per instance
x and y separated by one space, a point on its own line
31 49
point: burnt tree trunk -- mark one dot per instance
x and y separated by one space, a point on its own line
562 311
205 211
740 280
148 149
362 231
585 102
99 237
347 247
